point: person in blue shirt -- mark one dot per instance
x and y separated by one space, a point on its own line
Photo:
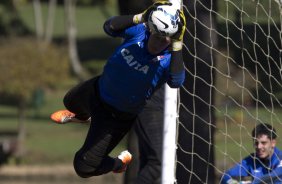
263 166
144 62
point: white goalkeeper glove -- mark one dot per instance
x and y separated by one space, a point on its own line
177 38
144 16
232 181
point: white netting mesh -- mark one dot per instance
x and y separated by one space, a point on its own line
232 52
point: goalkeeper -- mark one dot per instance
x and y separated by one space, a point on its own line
112 101
263 166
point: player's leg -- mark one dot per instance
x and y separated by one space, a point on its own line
149 129
105 132
103 136
77 102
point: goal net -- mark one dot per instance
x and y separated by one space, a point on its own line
233 64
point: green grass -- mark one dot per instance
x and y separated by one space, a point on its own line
89 20
251 11
47 142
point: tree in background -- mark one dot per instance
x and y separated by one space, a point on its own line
24 68
45 35
70 22
10 22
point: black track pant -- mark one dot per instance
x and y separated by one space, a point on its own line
108 127
149 129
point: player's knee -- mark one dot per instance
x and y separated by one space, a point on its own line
150 173
154 169
83 169
67 101
157 169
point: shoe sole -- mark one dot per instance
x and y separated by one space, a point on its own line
57 116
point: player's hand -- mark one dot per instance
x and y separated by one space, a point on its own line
245 182
232 181
177 38
143 17
146 13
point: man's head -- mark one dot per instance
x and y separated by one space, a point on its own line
264 140
158 43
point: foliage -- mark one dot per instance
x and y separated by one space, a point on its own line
94 67
10 22
27 65
254 11
79 2
87 26
47 142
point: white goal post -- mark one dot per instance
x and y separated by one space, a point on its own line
169 140
170 130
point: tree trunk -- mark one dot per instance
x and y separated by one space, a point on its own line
50 21
38 19
71 34
21 130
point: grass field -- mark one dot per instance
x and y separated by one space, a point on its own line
89 20
47 142
50 143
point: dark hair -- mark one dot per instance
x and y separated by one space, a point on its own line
264 129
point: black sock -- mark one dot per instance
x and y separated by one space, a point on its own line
117 164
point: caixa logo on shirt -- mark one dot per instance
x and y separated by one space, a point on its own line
133 63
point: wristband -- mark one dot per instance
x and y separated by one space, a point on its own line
137 18
176 45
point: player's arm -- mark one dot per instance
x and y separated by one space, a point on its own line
122 22
115 25
235 174
177 71
275 176
119 23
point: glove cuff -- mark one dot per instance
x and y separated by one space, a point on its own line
176 45
137 19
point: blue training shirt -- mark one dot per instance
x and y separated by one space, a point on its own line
268 171
132 74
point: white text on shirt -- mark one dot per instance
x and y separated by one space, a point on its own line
134 64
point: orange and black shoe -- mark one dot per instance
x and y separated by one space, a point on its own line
125 158
65 116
